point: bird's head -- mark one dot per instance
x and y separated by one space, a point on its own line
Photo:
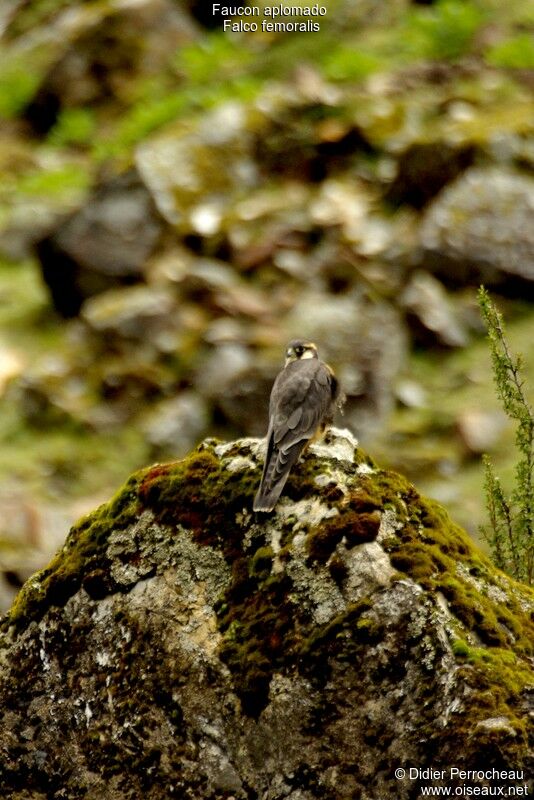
299 349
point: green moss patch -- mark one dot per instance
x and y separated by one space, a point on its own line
82 559
351 526
260 623
266 630
430 549
196 493
343 636
201 495
497 681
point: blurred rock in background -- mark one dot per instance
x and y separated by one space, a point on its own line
106 243
480 230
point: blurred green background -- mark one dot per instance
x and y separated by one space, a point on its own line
176 202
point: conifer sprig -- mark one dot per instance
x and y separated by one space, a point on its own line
510 532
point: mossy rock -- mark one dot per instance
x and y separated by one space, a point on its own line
178 645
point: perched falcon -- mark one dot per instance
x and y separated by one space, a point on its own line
302 403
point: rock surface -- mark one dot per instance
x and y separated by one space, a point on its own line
105 244
179 647
478 229
91 56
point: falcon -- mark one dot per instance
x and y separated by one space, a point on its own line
302 404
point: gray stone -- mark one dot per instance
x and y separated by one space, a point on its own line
11 365
133 312
195 169
435 318
479 229
93 52
105 244
410 393
226 365
480 429
175 425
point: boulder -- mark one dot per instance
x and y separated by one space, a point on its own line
103 245
92 56
177 646
176 423
478 229
196 169
47 190
424 168
134 313
432 316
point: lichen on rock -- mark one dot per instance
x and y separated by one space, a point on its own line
179 646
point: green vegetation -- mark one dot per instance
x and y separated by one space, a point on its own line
443 31
46 457
23 303
18 84
427 439
61 181
514 53
511 531
22 70
346 63
74 126
213 60
83 557
141 120
200 76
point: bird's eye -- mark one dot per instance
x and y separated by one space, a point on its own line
299 350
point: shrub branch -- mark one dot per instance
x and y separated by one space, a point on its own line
510 532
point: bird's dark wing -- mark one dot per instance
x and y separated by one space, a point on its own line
301 400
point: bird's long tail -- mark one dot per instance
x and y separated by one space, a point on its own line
278 463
